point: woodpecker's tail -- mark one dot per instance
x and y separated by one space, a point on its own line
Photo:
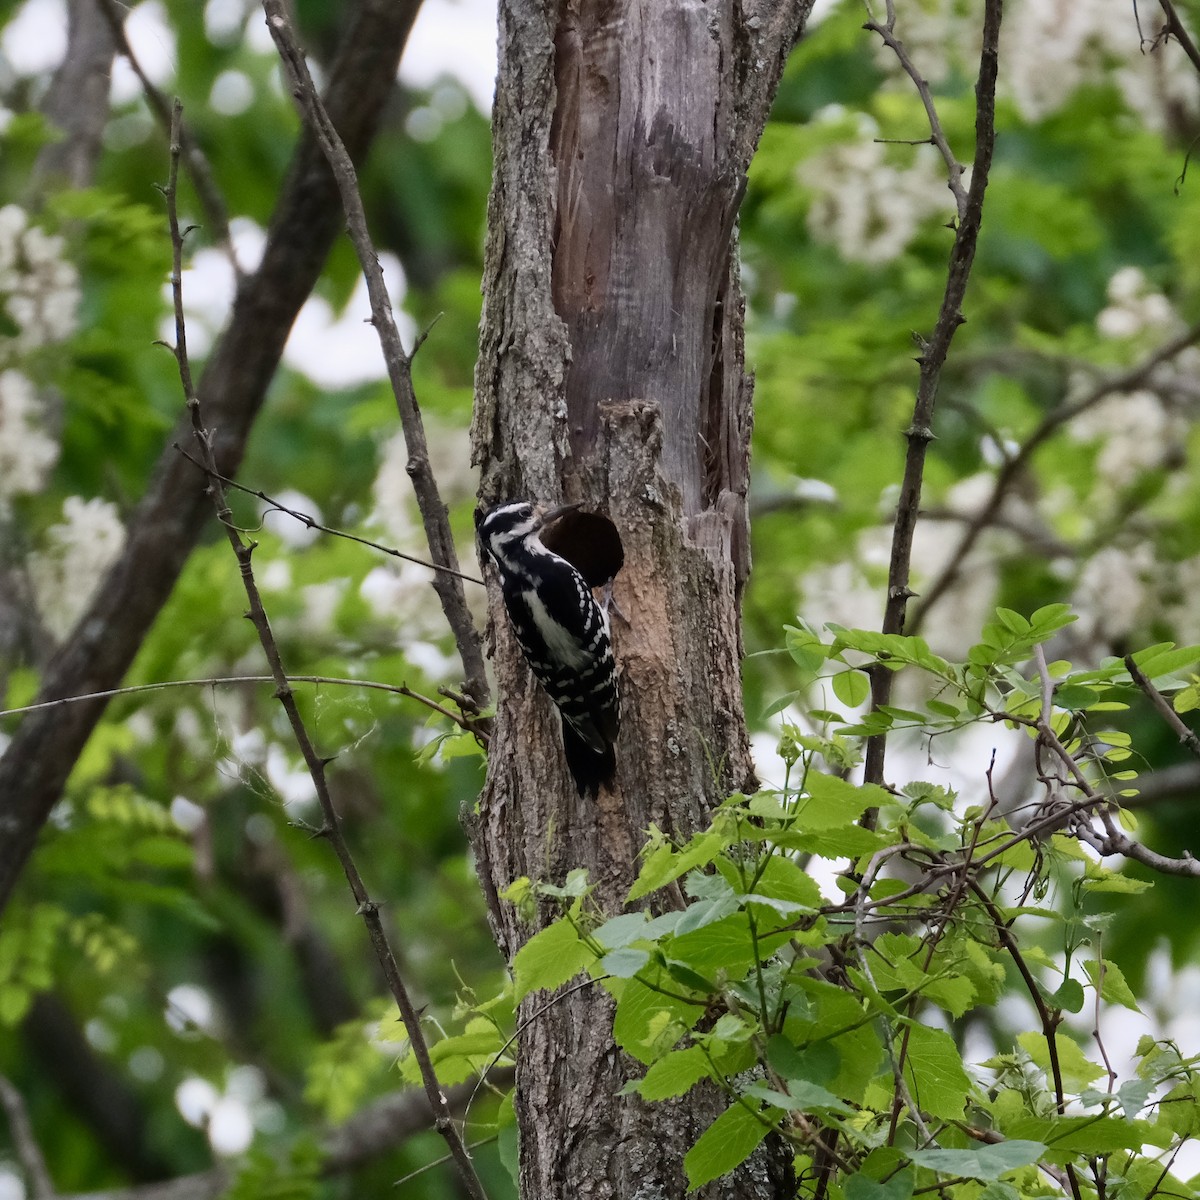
589 767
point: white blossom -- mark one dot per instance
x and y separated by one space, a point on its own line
1115 594
39 288
1049 50
27 451
867 202
1137 432
74 558
1134 307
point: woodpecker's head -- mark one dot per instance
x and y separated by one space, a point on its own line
506 529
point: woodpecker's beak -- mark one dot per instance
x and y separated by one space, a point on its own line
553 515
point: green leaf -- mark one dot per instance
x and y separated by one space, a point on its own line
550 958
832 802
981 1162
1069 996
1112 983
1077 1069
622 930
861 1186
726 945
817 1063
673 1074
1157 661
801 1096
935 1073
726 1143
648 1022
851 687
1064 1137
624 963
666 863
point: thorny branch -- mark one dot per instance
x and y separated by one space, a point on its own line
886 29
367 908
433 511
932 360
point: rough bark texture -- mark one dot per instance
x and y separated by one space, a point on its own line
611 372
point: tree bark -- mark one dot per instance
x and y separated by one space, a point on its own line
612 372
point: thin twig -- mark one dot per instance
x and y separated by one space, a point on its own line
29 1153
937 135
433 510
1177 29
1010 471
211 201
933 355
367 908
1187 738
313 523
467 722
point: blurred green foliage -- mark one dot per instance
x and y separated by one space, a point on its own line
181 856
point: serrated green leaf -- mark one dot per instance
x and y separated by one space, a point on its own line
673 1074
667 864
624 963
726 1143
1077 1069
936 1076
1112 983
550 958
832 802
647 1022
861 1186
981 1162
1064 1137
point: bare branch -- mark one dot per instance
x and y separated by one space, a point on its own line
212 203
1010 471
1176 29
433 511
29 1153
168 519
937 136
312 523
933 359
367 908
1162 706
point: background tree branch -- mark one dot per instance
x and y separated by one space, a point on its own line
167 521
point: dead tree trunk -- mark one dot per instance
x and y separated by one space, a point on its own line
611 372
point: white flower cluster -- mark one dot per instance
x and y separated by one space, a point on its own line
1135 308
1144 428
864 203
1053 47
73 559
1049 49
39 288
39 297
27 451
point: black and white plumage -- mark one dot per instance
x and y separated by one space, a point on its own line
563 634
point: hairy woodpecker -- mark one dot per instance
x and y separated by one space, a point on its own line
563 633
